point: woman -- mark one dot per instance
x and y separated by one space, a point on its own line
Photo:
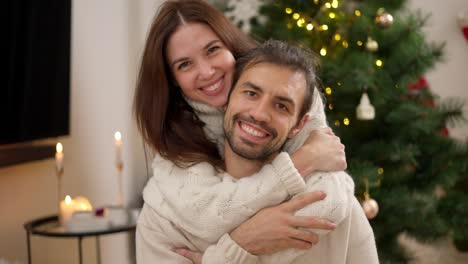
184 81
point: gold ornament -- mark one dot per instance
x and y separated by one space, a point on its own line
372 45
371 207
384 19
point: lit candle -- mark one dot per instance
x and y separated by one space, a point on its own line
118 146
67 208
59 157
70 206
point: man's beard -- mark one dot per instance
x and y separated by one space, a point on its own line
251 153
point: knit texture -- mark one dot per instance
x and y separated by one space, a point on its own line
203 205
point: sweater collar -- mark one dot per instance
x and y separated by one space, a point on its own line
202 108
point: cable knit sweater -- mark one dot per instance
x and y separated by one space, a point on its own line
195 207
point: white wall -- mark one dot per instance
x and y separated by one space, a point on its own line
107 38
449 78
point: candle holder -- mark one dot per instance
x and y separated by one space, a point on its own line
59 172
119 167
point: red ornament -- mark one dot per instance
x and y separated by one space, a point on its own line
421 84
463 22
444 132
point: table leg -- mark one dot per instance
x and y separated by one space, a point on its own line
98 250
80 249
28 239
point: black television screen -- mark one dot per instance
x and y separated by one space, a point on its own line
34 102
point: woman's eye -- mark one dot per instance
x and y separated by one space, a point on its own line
183 65
213 49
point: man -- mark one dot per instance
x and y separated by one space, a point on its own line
272 92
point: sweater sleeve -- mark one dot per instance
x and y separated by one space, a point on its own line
317 119
227 251
207 204
153 244
335 206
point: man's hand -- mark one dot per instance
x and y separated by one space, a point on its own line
195 257
276 228
322 151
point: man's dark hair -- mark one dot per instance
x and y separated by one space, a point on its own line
283 54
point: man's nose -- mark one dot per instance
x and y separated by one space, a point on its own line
261 111
205 70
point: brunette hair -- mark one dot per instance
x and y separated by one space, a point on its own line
167 123
283 54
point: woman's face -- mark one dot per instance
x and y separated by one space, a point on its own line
200 63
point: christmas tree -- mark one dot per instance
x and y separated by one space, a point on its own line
374 56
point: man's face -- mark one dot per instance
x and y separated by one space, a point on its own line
263 109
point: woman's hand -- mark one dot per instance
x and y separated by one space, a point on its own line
194 256
322 151
276 228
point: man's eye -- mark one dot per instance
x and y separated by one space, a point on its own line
251 93
282 107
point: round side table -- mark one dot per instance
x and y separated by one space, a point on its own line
49 226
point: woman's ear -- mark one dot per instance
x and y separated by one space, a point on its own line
299 126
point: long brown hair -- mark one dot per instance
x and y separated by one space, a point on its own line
167 123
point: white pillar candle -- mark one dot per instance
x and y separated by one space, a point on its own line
67 207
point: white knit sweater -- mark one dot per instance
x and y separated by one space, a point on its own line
197 207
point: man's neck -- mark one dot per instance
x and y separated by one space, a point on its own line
239 167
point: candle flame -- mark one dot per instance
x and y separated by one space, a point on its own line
59 147
117 136
68 199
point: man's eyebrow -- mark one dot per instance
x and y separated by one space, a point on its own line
279 97
186 58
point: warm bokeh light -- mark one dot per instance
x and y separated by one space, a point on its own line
118 136
345 43
301 22
323 51
323 27
68 199
288 10
337 123
346 121
59 147
327 5
357 12
380 171
330 106
310 26
296 16
359 43
379 63
332 15
335 3
337 37
328 90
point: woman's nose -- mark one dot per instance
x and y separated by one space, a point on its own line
205 70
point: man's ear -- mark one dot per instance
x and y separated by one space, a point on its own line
299 126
